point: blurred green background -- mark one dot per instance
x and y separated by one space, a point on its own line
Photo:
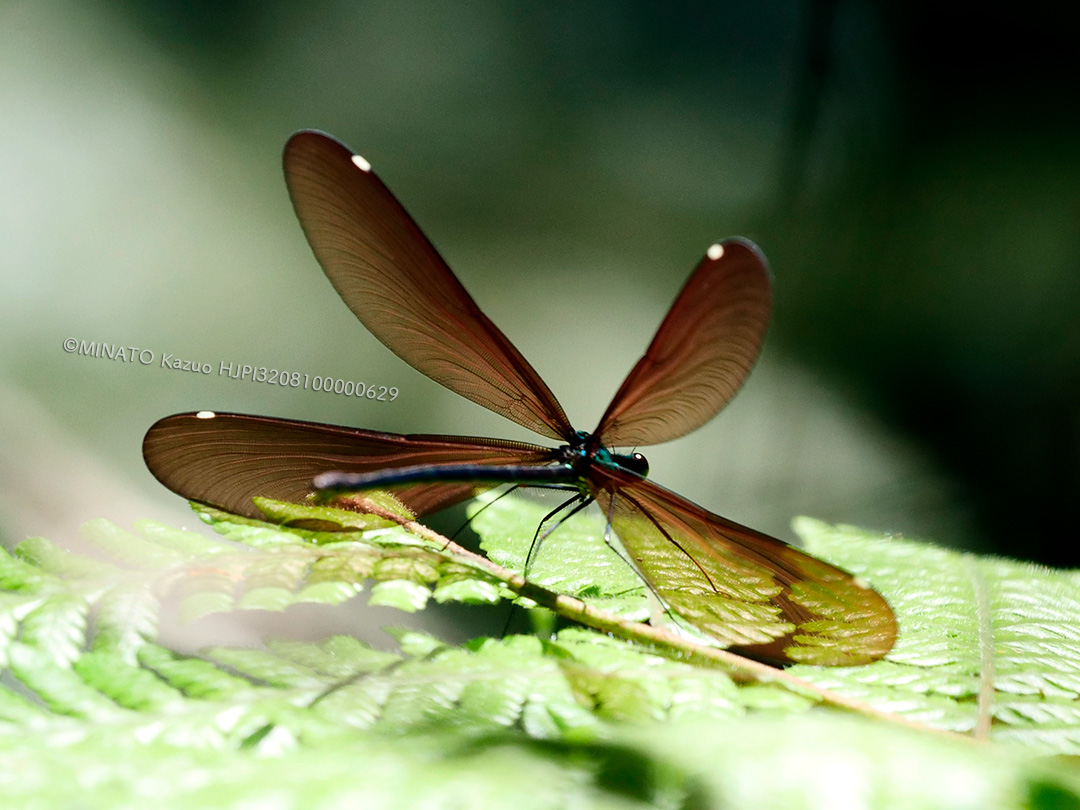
911 170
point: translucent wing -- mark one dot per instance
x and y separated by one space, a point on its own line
225 460
751 591
701 353
395 282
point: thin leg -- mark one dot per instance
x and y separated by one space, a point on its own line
579 502
620 552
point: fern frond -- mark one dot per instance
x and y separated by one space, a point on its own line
988 647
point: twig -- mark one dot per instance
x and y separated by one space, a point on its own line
663 641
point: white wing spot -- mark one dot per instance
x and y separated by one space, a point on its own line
715 251
205 415
361 164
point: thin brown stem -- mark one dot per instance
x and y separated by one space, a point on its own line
657 639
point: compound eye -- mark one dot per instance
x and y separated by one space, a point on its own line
639 464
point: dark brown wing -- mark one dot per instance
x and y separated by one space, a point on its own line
748 590
225 459
701 353
395 282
